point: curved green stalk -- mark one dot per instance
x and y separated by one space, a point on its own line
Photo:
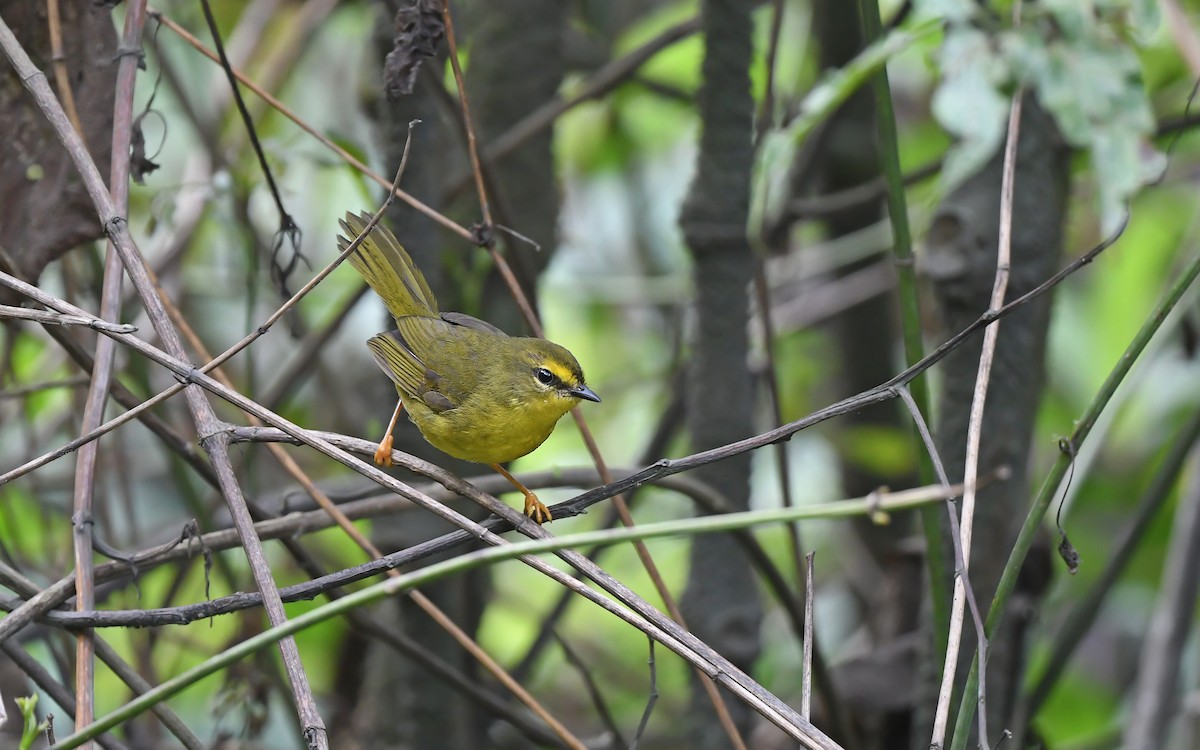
966 709
371 594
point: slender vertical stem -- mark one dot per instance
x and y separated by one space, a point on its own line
806 676
97 396
974 436
910 313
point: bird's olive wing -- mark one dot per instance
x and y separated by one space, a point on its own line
427 359
397 357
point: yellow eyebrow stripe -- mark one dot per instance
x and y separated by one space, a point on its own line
563 374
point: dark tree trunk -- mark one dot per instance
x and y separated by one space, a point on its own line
721 603
961 260
44 208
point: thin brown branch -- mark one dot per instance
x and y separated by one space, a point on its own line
974 436
54 319
45 385
468 125
62 76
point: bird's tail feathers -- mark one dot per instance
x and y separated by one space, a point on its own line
387 268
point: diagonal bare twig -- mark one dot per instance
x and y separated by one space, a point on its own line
599 84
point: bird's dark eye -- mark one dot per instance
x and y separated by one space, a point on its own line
544 376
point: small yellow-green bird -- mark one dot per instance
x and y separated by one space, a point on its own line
473 391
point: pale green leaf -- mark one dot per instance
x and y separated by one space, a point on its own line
968 103
1092 86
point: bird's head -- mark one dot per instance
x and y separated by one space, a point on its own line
546 378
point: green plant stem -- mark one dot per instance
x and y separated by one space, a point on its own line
1049 488
371 594
910 316
1083 615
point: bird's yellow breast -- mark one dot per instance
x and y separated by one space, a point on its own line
524 426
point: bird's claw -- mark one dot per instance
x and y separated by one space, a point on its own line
383 454
537 510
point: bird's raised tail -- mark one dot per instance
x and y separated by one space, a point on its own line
386 267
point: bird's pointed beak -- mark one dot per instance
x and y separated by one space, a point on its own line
582 391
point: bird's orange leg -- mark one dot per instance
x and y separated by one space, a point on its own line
383 454
534 508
